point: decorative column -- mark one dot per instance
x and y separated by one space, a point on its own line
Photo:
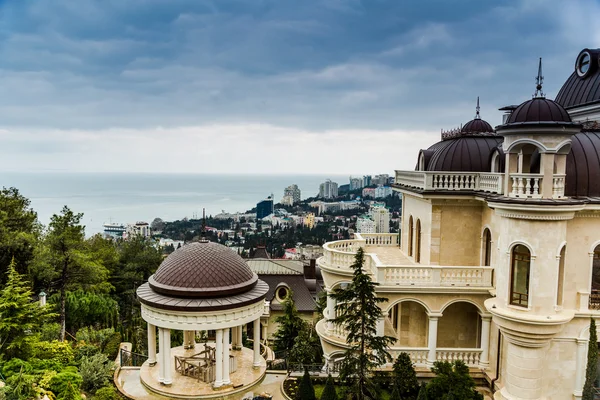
240 338
167 357
580 365
256 340
151 345
484 360
161 353
219 359
330 310
432 339
226 380
189 339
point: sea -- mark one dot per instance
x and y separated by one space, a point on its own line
131 197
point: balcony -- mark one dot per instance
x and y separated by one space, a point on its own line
390 267
520 185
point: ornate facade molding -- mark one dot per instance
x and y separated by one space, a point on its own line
189 321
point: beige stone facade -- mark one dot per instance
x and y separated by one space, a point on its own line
499 269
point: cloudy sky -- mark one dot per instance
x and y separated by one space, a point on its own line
266 86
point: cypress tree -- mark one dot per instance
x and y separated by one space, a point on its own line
422 394
290 325
306 391
329 393
405 377
395 394
592 362
359 314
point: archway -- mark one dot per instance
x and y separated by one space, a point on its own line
460 326
407 321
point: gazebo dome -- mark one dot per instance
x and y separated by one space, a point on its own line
463 154
204 269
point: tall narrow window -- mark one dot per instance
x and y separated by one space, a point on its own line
595 289
418 241
519 285
561 277
487 247
410 236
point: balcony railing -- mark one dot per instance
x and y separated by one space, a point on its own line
418 355
465 181
520 185
340 255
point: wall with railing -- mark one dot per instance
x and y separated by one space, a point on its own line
520 185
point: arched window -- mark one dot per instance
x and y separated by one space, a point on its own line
519 276
410 236
561 277
487 248
418 241
495 165
595 289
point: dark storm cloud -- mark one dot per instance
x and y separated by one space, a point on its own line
331 64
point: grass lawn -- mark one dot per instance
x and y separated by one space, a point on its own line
385 395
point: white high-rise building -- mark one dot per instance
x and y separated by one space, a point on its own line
328 189
381 218
383 191
291 195
356 183
365 225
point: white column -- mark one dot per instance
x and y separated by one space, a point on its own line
161 353
330 310
188 339
219 359
167 358
233 337
580 365
432 339
240 339
484 360
226 380
151 345
256 340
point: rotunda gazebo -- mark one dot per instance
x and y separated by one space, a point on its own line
202 286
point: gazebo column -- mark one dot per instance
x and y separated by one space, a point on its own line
219 359
151 344
161 353
240 339
167 357
189 339
226 380
256 340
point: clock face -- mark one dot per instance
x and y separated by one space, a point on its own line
583 63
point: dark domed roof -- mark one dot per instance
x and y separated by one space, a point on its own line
463 154
204 269
477 125
539 110
583 86
583 166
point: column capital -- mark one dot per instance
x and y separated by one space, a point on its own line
485 316
434 316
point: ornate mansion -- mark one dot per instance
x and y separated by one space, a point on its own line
498 261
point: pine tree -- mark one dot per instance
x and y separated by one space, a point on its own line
20 318
65 262
329 392
405 377
592 363
71 393
452 380
290 325
359 314
306 390
307 346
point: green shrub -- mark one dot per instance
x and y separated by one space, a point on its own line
50 332
96 371
39 366
112 346
61 351
97 337
329 393
85 350
15 366
306 391
71 392
58 383
106 393
20 386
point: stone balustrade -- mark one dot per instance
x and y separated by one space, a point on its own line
451 181
340 255
418 355
525 185
468 356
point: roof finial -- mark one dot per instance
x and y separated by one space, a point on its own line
539 80
477 109
203 230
